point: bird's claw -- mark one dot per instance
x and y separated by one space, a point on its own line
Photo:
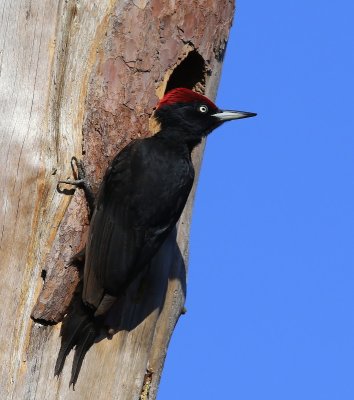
75 163
77 182
80 181
78 172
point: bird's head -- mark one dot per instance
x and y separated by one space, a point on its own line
192 114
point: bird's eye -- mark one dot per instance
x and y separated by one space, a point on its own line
203 109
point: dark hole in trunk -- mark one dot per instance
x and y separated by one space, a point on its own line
189 73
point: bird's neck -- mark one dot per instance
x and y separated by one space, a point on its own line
180 137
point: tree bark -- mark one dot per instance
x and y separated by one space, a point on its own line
81 78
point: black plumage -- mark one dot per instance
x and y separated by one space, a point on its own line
140 200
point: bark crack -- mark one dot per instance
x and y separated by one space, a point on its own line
145 390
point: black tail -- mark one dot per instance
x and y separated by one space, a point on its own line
79 329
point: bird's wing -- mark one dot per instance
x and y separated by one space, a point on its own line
140 201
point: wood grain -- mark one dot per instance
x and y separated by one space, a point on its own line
82 77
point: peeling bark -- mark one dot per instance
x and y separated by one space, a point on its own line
81 78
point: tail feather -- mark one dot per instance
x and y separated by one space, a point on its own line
70 332
78 329
86 340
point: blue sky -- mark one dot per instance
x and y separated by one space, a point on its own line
271 275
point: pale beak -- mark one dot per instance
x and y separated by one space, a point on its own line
227 115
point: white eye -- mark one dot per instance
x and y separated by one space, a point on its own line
203 109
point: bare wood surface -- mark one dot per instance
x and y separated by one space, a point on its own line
82 77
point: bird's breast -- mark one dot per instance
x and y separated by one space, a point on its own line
162 187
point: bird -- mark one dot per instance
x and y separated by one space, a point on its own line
139 202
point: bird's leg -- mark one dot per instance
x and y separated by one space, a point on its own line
81 182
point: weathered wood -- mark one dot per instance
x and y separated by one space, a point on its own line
82 77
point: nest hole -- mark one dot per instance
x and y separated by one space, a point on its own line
190 73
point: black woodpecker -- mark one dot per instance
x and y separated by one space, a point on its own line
140 200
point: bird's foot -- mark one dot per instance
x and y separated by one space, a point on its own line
80 180
78 172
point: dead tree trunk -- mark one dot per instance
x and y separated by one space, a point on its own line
81 78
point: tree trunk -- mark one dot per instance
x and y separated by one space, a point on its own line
79 77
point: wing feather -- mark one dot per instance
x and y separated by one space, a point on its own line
140 200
